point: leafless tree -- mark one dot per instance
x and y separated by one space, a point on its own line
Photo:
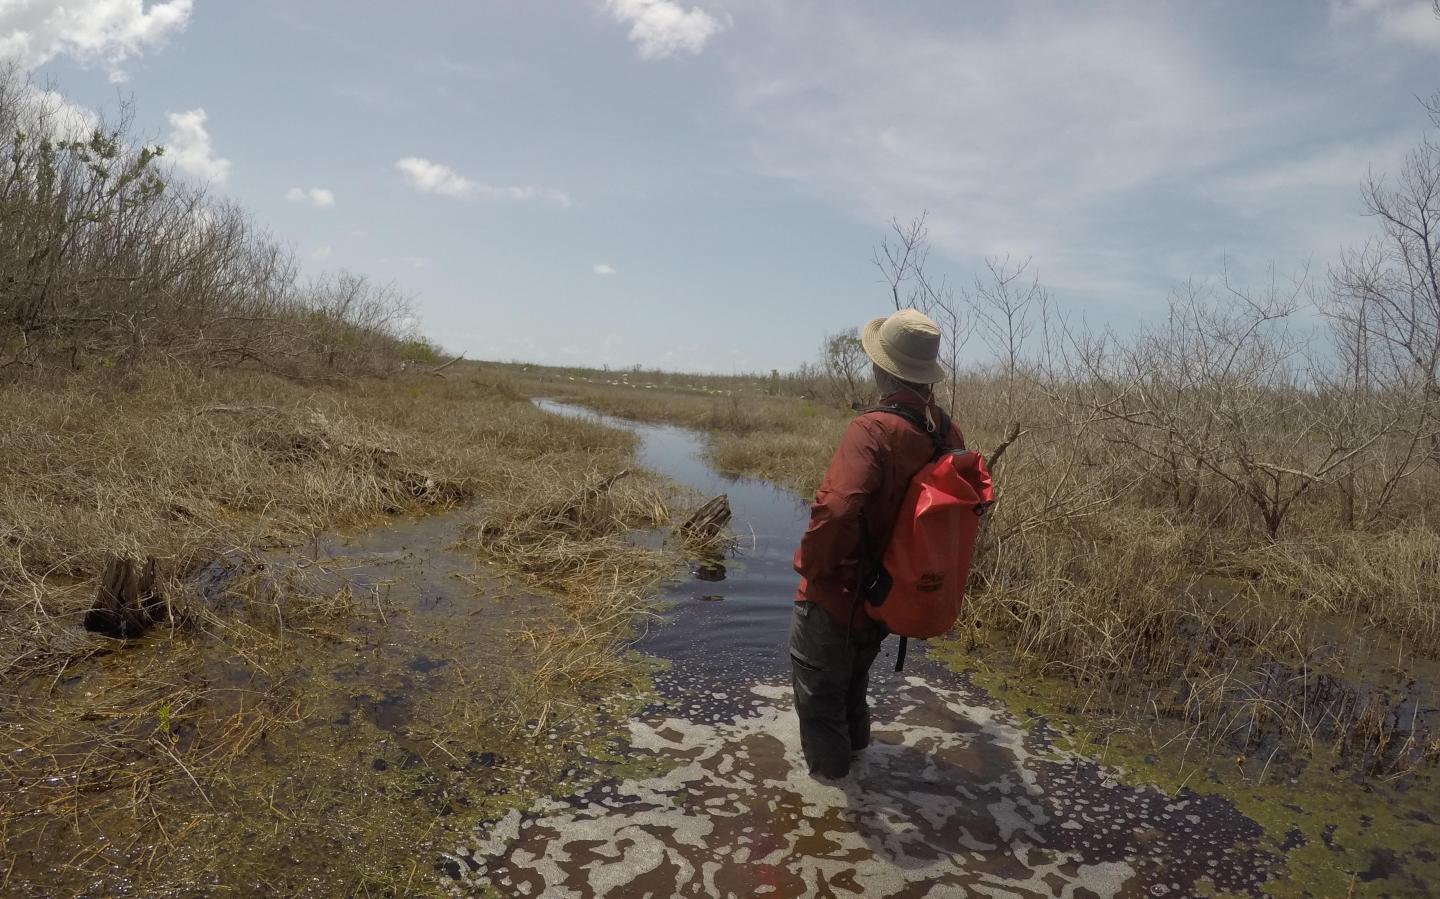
903 258
1369 388
1008 301
1385 295
1220 396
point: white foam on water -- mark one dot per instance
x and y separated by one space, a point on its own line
737 814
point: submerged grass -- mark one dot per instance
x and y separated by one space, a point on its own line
569 537
280 735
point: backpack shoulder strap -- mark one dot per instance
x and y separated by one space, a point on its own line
940 436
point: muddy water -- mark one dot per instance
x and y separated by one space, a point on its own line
955 797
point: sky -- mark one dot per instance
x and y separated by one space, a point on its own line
699 184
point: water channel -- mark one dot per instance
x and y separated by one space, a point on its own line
954 797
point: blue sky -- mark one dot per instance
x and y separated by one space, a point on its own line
698 184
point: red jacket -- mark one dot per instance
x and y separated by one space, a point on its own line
856 505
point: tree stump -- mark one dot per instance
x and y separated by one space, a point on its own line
705 525
127 603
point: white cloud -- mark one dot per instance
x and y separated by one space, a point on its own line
1401 21
60 117
1112 146
319 197
558 197
321 253
416 261
433 178
103 32
604 268
1012 133
662 28
190 150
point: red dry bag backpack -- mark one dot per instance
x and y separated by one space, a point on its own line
920 584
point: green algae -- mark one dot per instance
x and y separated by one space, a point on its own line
1339 833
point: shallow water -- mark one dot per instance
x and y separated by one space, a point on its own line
955 797
727 625
371 682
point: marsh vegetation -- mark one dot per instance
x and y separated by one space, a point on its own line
1215 537
122 759
312 711
1214 551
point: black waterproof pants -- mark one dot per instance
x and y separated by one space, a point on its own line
831 672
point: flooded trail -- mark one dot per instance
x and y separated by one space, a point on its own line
956 797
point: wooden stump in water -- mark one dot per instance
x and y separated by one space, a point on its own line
708 521
127 603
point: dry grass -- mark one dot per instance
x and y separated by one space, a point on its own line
1089 574
570 537
184 468
123 763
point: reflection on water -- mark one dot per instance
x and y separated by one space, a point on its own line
710 571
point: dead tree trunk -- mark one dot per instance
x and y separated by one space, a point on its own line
127 603
705 525
439 371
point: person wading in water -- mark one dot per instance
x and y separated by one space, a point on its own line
833 642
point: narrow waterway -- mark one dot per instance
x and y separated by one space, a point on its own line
728 621
954 797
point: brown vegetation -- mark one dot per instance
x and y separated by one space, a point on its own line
108 260
568 536
174 392
120 757
1223 519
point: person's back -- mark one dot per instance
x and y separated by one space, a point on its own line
833 642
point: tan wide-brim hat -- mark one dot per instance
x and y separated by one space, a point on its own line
906 344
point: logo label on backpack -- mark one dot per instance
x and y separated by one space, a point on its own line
930 581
